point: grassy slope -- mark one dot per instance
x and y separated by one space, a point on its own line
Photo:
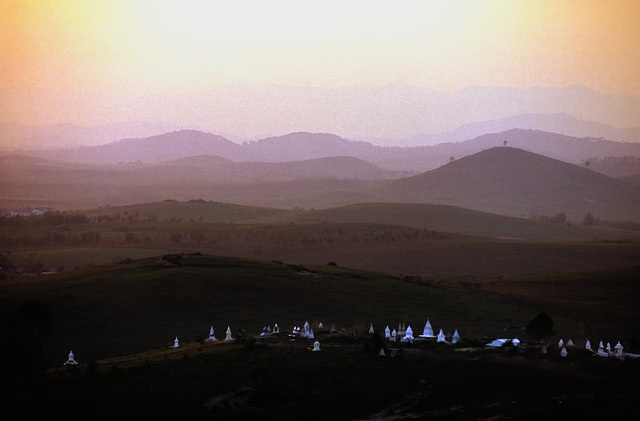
106 312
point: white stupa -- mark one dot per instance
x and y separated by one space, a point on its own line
563 352
515 342
456 337
276 329
306 330
618 349
387 332
265 332
570 342
212 336
427 332
382 354
228 336
320 326
441 337
371 331
560 343
311 335
393 336
176 342
316 346
587 345
408 335
71 359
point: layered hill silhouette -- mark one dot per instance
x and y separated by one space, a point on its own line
306 146
501 180
515 182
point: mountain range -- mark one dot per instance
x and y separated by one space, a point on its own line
307 146
503 180
391 115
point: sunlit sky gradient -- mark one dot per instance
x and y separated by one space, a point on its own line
65 61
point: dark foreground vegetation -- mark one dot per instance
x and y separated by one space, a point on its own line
121 319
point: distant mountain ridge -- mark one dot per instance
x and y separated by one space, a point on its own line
306 146
563 124
502 180
392 115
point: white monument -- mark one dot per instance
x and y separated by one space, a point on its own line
618 349
265 332
560 343
456 337
441 337
316 346
228 336
276 329
371 331
408 335
570 342
176 342
587 345
515 342
427 331
71 359
320 326
387 332
212 336
311 335
394 336
382 354
563 352
307 330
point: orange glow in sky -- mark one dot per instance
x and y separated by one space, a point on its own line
74 61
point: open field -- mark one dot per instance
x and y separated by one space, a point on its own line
123 282
108 314
428 241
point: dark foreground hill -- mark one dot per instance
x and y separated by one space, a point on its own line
121 320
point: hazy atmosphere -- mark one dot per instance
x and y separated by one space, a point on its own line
251 69
338 210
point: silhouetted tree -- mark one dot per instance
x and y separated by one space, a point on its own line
589 220
22 335
541 326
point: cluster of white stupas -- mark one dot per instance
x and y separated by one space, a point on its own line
405 334
616 352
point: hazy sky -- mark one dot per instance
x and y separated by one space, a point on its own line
79 62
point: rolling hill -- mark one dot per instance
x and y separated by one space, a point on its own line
511 181
301 146
500 180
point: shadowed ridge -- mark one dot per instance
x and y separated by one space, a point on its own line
515 182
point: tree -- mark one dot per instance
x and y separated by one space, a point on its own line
541 326
589 220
